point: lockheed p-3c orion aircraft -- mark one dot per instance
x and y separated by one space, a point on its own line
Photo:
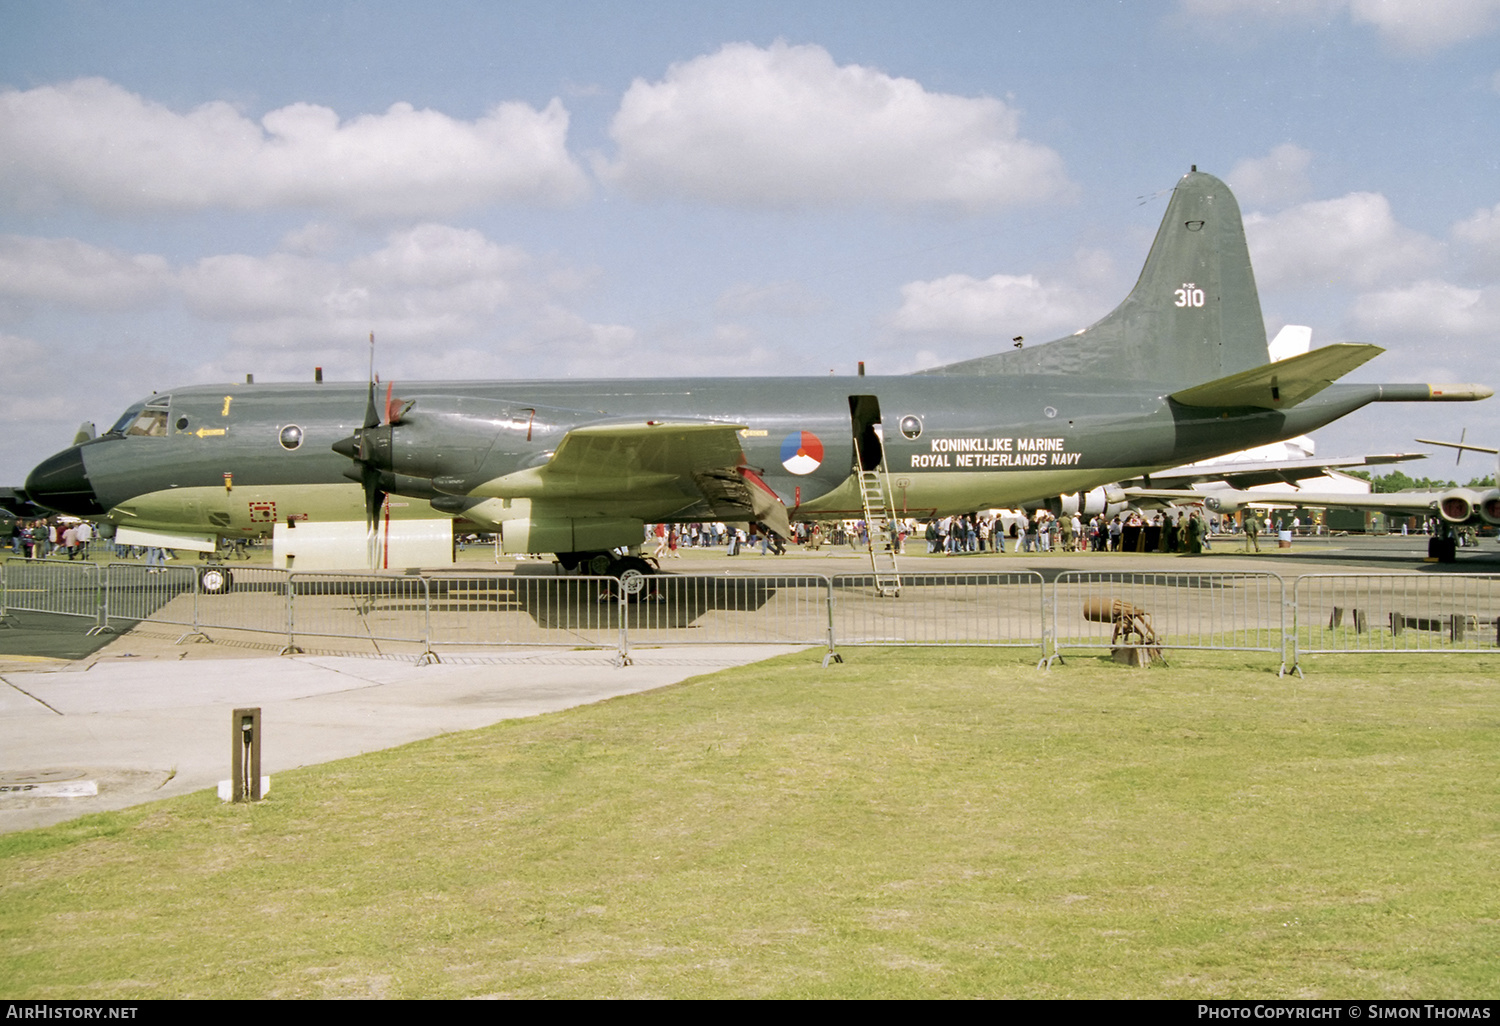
351 475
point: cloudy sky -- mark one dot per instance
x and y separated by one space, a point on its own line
192 192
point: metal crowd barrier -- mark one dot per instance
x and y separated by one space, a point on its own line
52 586
253 599
730 610
134 592
982 609
1396 613
1332 613
1153 611
500 609
363 606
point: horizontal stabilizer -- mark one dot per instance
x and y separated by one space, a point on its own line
1460 445
1277 386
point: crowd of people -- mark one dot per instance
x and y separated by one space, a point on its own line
1039 531
38 539
1042 531
74 539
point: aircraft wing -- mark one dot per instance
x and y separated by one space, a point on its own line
649 464
1288 382
15 502
617 459
1229 499
1248 473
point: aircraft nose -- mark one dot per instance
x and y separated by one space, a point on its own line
61 483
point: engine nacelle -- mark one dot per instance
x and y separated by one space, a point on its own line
1460 505
1220 504
526 527
1489 509
1108 500
438 443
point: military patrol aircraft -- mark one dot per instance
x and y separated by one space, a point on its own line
1453 507
1177 373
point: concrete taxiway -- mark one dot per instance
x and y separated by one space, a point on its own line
148 719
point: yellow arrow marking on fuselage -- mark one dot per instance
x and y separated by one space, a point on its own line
205 432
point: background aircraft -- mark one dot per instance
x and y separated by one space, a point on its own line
1454 507
1177 373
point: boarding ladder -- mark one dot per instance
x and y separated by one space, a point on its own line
875 493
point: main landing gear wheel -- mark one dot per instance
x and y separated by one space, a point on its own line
215 580
632 572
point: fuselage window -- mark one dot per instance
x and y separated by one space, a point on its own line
291 436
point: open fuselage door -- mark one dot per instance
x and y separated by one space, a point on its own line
875 491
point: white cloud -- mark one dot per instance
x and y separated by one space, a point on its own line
1353 240
432 293
1427 310
1412 26
443 302
787 127
435 256
15 352
69 272
427 283
312 239
39 408
1481 231
1425 26
1278 177
91 141
1004 305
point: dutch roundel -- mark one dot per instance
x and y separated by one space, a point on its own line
802 452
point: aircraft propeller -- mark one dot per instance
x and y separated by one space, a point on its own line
370 447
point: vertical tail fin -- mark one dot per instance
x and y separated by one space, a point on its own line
1193 316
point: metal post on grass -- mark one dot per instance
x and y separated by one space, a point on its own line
1049 630
101 600
290 648
832 655
244 768
196 630
428 656
622 612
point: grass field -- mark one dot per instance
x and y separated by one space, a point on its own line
912 823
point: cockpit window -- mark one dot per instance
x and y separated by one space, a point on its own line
149 418
126 419
152 423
